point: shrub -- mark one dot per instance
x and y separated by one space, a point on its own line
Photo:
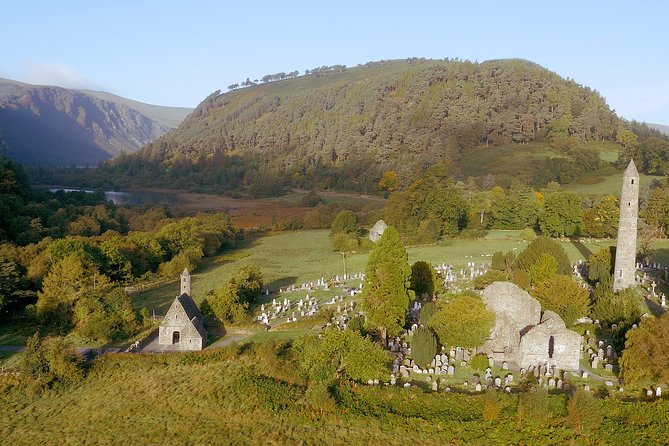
480 362
423 346
426 312
491 276
463 322
422 278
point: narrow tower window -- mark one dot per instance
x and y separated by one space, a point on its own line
632 180
551 346
621 273
629 203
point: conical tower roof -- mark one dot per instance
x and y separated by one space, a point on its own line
631 170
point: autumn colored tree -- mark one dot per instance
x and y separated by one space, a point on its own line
388 181
644 360
563 296
562 214
601 220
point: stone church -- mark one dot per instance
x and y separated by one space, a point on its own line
525 336
182 328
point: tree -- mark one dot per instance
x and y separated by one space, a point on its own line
333 355
249 279
600 264
48 362
540 245
104 316
344 232
387 293
623 308
584 412
423 346
462 322
388 181
644 360
562 214
544 268
225 303
422 278
563 296
602 219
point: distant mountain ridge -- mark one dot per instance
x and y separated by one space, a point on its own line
49 125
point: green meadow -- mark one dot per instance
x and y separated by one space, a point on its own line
305 256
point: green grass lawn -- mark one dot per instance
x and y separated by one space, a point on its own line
605 181
305 256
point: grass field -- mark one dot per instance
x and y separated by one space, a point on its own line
305 256
605 181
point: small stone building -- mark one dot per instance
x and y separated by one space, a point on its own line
182 328
377 230
524 335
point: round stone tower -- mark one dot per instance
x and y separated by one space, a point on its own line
625 266
185 282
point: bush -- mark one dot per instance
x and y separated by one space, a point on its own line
491 276
423 347
426 312
463 322
357 324
422 278
541 245
312 199
528 234
48 362
480 362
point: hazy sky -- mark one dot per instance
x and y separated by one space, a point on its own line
177 52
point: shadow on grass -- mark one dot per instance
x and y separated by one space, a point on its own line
581 248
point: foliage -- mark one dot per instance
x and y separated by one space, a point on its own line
387 293
462 322
497 262
312 199
543 269
480 362
225 304
393 109
422 278
426 312
334 355
489 277
344 232
105 316
49 362
651 155
601 220
423 347
540 245
537 407
357 324
600 264
562 214
646 351
563 296
624 307
249 278
584 412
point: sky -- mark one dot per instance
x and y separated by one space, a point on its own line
178 52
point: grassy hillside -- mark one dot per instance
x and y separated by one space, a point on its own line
305 256
343 129
252 395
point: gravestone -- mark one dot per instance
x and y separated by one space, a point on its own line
478 387
658 391
434 386
505 365
498 381
559 384
451 370
551 382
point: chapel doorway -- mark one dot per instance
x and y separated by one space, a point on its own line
175 337
551 347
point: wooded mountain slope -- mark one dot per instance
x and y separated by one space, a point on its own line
55 126
401 115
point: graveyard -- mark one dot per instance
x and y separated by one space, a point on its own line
309 290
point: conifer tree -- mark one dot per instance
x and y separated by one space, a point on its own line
387 293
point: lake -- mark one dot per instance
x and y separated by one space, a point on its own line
130 197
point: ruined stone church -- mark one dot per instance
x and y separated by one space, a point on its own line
182 329
524 335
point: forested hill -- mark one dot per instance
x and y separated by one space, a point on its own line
56 126
346 127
